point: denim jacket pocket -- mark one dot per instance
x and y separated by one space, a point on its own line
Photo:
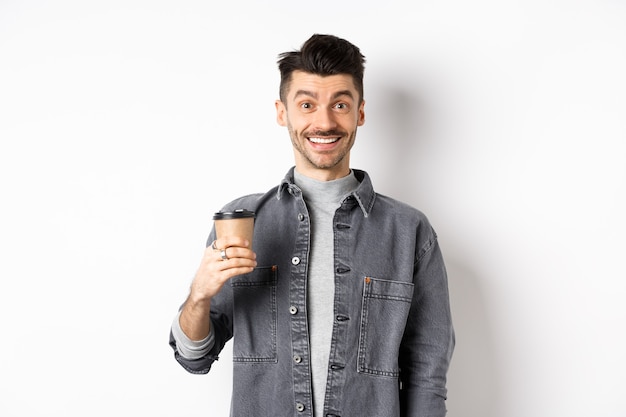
385 308
254 320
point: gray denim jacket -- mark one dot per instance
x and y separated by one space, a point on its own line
392 337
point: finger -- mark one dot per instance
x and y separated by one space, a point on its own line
233 272
228 241
221 271
233 267
232 252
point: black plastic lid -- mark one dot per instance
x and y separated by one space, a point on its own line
237 214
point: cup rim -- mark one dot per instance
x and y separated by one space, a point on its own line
235 214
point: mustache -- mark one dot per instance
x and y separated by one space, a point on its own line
324 133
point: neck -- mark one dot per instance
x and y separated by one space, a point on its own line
325 191
321 174
324 175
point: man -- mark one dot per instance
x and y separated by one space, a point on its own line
339 307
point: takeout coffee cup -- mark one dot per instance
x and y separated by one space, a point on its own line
239 222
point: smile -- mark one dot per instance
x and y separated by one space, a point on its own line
323 140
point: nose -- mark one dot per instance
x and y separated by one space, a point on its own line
324 119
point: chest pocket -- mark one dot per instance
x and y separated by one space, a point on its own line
254 316
385 308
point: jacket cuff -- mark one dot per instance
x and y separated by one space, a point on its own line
191 349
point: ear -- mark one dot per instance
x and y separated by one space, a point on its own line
281 113
361 114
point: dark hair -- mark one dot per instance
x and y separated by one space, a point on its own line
323 55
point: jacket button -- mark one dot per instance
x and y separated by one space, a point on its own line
300 407
300 216
293 310
297 358
295 260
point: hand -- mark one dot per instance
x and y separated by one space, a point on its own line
225 258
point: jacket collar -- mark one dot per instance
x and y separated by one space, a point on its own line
364 194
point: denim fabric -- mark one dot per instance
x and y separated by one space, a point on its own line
392 337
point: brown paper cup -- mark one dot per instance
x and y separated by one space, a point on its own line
235 223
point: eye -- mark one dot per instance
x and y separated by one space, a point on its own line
306 107
342 107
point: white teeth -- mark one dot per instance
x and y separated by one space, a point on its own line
322 140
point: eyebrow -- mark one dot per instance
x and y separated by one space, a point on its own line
315 96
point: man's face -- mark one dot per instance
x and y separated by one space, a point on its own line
322 115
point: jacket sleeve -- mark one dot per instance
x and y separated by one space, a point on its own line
221 329
428 341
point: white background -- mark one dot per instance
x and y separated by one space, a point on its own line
125 124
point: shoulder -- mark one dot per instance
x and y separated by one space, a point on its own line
389 206
404 218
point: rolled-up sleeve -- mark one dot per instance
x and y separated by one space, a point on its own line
191 349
